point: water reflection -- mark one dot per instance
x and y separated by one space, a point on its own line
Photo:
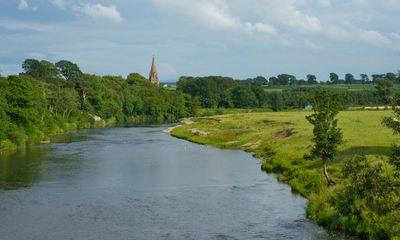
23 168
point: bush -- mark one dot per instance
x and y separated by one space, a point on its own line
369 199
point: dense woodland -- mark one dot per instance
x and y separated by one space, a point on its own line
47 99
225 92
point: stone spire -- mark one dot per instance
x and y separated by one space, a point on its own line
153 78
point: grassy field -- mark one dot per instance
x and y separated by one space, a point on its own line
281 140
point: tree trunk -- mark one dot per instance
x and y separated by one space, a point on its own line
329 180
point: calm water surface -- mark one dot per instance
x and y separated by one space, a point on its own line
140 183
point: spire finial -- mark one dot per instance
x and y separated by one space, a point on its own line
153 78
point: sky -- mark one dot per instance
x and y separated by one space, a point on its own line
236 38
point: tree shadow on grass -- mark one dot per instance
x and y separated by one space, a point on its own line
371 150
347 154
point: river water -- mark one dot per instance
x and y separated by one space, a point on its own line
140 183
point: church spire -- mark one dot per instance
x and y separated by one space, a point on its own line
153 77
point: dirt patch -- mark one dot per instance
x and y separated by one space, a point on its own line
183 122
272 122
198 132
284 134
211 119
252 145
266 121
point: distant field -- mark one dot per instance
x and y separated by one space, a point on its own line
349 87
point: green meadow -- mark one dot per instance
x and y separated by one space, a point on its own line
281 139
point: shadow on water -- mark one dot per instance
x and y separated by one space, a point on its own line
22 168
25 167
70 138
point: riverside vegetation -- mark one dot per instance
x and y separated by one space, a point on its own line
361 193
47 99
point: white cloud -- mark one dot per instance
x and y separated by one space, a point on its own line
311 45
100 11
213 14
214 17
24 5
260 27
372 37
395 36
287 14
59 3
350 34
20 25
92 10
324 3
206 13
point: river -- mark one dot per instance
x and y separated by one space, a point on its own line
140 183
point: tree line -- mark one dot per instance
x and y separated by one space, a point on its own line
49 98
225 92
291 80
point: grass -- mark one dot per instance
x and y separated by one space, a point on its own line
261 133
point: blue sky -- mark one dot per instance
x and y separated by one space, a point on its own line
235 38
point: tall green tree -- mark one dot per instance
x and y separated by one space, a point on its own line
349 78
311 79
385 90
244 97
364 78
334 78
41 70
327 136
68 69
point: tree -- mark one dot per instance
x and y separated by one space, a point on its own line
135 78
364 78
384 90
273 81
327 136
68 69
311 79
285 79
377 77
259 81
334 78
349 78
391 76
41 70
394 121
276 101
369 199
243 97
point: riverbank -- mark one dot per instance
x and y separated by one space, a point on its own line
282 139
8 147
185 121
